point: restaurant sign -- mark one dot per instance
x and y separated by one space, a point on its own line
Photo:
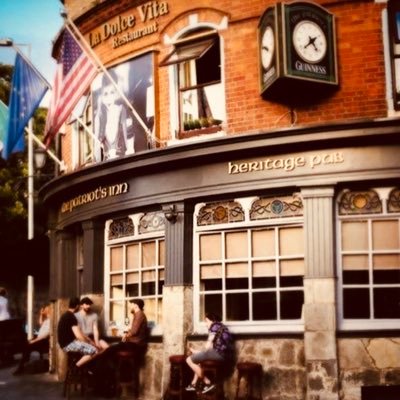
127 28
99 193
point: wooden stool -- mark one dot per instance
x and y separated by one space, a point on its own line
176 387
76 376
251 372
214 371
126 373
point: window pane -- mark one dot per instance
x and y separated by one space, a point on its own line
385 235
291 304
264 306
263 243
116 258
264 268
117 311
386 261
292 268
151 310
210 303
210 247
259 283
352 277
356 303
291 241
354 236
355 262
116 286
161 261
211 271
148 254
388 271
236 270
236 245
386 303
237 307
132 255
208 67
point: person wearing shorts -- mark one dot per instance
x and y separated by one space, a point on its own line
70 336
217 348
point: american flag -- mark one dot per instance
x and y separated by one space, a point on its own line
75 72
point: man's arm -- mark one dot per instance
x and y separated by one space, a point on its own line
79 334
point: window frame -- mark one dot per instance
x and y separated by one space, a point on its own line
394 50
185 38
125 241
357 324
262 326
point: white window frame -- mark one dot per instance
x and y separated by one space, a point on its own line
126 240
281 326
174 97
370 323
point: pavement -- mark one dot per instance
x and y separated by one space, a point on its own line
33 384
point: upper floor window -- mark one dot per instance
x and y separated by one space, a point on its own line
197 57
369 259
394 42
249 263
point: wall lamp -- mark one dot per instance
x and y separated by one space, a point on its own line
170 213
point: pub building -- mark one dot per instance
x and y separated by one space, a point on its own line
245 161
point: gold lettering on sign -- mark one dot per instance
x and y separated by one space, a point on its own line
95 195
286 164
125 29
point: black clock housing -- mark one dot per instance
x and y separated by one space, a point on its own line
305 64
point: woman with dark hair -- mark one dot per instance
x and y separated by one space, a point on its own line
218 348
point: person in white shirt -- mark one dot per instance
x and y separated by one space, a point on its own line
39 343
4 314
88 323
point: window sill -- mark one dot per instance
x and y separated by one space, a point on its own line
199 132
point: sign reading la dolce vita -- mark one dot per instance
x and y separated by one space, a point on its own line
287 164
100 193
127 28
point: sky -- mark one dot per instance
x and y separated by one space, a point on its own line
32 25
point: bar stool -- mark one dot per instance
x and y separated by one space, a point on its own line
250 372
76 376
213 370
126 373
176 386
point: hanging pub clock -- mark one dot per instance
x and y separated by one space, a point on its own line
304 62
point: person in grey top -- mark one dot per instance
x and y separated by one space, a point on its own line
88 323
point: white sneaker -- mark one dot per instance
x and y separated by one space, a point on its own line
208 388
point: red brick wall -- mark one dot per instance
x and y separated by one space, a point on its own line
359 47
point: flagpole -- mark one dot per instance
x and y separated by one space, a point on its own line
30 183
82 41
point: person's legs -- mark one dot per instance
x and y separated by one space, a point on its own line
87 350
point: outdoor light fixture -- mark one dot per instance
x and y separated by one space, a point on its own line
170 213
40 157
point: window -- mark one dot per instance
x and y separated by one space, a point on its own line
394 40
369 249
197 58
83 138
250 270
135 255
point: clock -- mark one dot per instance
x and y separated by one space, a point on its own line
309 41
297 51
267 48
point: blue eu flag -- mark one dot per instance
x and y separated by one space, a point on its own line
27 90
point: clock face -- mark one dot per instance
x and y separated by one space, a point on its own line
309 41
267 47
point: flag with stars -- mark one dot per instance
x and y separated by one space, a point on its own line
75 72
27 90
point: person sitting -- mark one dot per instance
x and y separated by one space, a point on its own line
4 313
218 347
88 322
39 343
70 336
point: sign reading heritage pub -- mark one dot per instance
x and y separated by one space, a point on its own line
125 29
